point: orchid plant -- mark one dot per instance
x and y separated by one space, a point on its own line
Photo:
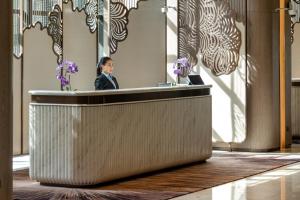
182 67
63 73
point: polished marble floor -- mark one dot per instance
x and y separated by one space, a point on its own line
279 184
20 162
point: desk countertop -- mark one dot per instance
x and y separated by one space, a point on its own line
116 92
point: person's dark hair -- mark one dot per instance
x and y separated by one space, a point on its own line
102 61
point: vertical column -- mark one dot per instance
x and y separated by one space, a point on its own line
5 99
263 116
285 75
171 38
103 28
282 75
288 82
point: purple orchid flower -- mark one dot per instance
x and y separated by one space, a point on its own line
182 64
64 70
72 67
63 80
177 71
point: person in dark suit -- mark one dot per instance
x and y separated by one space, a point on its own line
105 80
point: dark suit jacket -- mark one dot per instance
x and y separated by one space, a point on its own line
103 83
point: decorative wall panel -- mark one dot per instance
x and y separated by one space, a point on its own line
214 31
25 15
30 12
146 43
38 10
119 12
295 16
91 11
208 27
55 30
17 30
78 4
38 66
118 25
129 4
79 45
239 8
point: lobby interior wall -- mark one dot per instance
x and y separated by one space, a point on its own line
295 53
17 105
140 60
262 94
263 70
80 46
39 66
40 62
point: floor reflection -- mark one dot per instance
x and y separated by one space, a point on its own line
279 184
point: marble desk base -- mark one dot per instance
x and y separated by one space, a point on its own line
89 144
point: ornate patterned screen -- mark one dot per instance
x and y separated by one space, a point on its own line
295 15
48 13
239 7
78 4
119 12
208 27
55 30
129 4
17 29
118 28
26 13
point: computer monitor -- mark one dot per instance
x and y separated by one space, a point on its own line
195 80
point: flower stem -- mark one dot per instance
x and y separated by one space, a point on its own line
61 84
70 81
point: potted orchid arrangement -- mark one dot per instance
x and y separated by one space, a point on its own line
63 74
182 67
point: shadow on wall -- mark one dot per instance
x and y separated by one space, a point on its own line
237 102
228 103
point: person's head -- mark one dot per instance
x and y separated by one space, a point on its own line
105 65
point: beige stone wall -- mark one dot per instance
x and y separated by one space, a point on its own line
17 105
39 66
141 59
295 53
80 46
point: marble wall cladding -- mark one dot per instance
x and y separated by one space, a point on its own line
81 145
17 105
80 46
39 64
229 91
261 76
295 111
140 60
262 94
295 51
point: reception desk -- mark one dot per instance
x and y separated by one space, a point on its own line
88 137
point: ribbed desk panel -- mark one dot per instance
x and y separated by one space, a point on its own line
83 145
